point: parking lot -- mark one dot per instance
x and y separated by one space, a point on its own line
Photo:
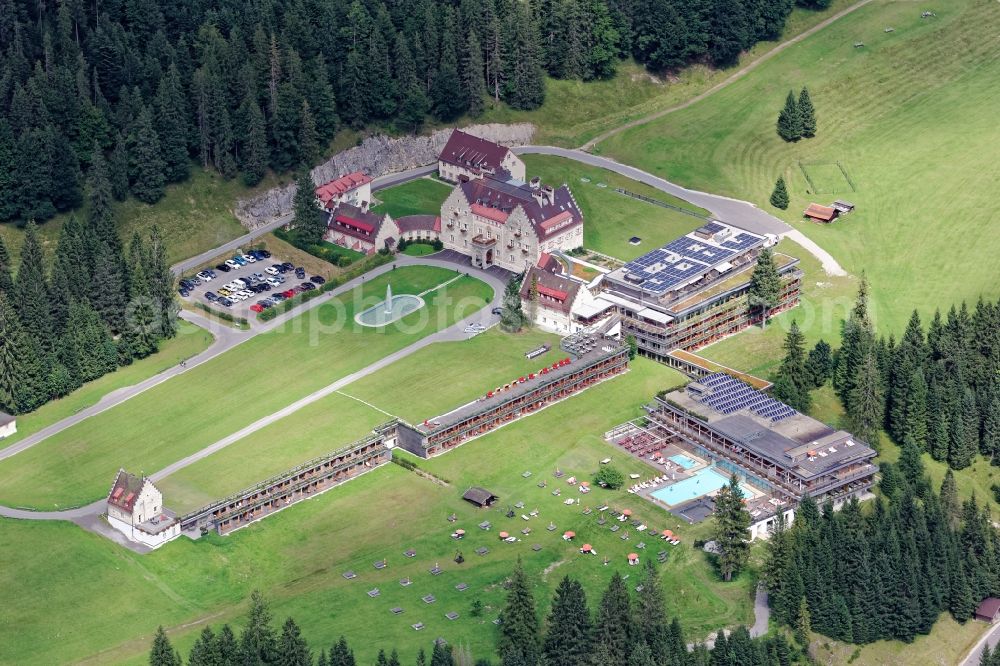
246 284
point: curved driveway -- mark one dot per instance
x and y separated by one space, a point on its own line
85 515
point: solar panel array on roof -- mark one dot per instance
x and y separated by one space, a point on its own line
684 259
710 228
728 395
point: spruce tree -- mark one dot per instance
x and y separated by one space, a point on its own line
867 405
949 499
765 286
614 634
779 197
650 614
148 166
205 651
524 88
12 358
915 410
820 363
118 169
519 622
473 83
292 648
512 317
568 639
441 656
172 125
9 207
796 380
30 294
6 281
731 529
309 220
449 99
162 653
258 643
255 154
341 654
807 114
309 148
642 656
790 120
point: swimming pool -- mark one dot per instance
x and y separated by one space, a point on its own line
687 462
703 482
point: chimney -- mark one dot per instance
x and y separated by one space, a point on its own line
535 183
549 194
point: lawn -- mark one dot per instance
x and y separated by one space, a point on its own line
193 216
825 302
419 249
190 341
422 196
104 602
610 218
910 117
575 112
217 398
947 643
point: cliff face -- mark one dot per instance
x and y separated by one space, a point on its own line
375 156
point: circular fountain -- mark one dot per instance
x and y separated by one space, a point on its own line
389 310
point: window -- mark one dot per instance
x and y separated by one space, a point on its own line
511 258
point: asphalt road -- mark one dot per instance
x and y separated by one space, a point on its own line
732 211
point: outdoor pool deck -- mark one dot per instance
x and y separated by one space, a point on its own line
685 461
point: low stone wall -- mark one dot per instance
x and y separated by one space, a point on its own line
376 156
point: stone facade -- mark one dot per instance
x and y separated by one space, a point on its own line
515 234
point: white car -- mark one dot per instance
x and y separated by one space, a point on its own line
232 264
250 260
273 282
246 294
205 276
271 270
240 284
475 328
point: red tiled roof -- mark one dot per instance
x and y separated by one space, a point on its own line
819 212
418 223
494 214
989 607
554 293
358 224
341 185
127 485
471 152
490 197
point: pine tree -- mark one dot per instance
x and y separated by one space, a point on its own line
731 529
9 207
519 627
910 465
915 410
790 120
292 648
162 653
524 88
148 166
512 317
30 293
118 169
568 640
765 286
441 656
161 282
205 651
614 635
803 625
807 114
12 359
949 499
796 380
779 197
447 94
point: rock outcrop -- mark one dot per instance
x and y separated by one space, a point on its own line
375 156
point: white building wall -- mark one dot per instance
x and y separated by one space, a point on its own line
137 535
8 430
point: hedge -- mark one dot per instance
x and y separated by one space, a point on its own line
221 315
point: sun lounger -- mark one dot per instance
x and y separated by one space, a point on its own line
462 587
615 528
396 611
429 599
349 575
374 592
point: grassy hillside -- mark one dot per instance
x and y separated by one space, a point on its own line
102 603
217 398
910 117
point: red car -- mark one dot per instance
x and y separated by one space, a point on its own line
256 308
289 293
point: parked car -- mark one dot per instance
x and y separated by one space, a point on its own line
264 254
224 291
256 308
307 286
225 302
212 297
271 270
300 273
232 264
204 276
223 267
289 293
272 281
288 266
475 328
497 311
318 279
184 292
238 258
277 298
249 259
